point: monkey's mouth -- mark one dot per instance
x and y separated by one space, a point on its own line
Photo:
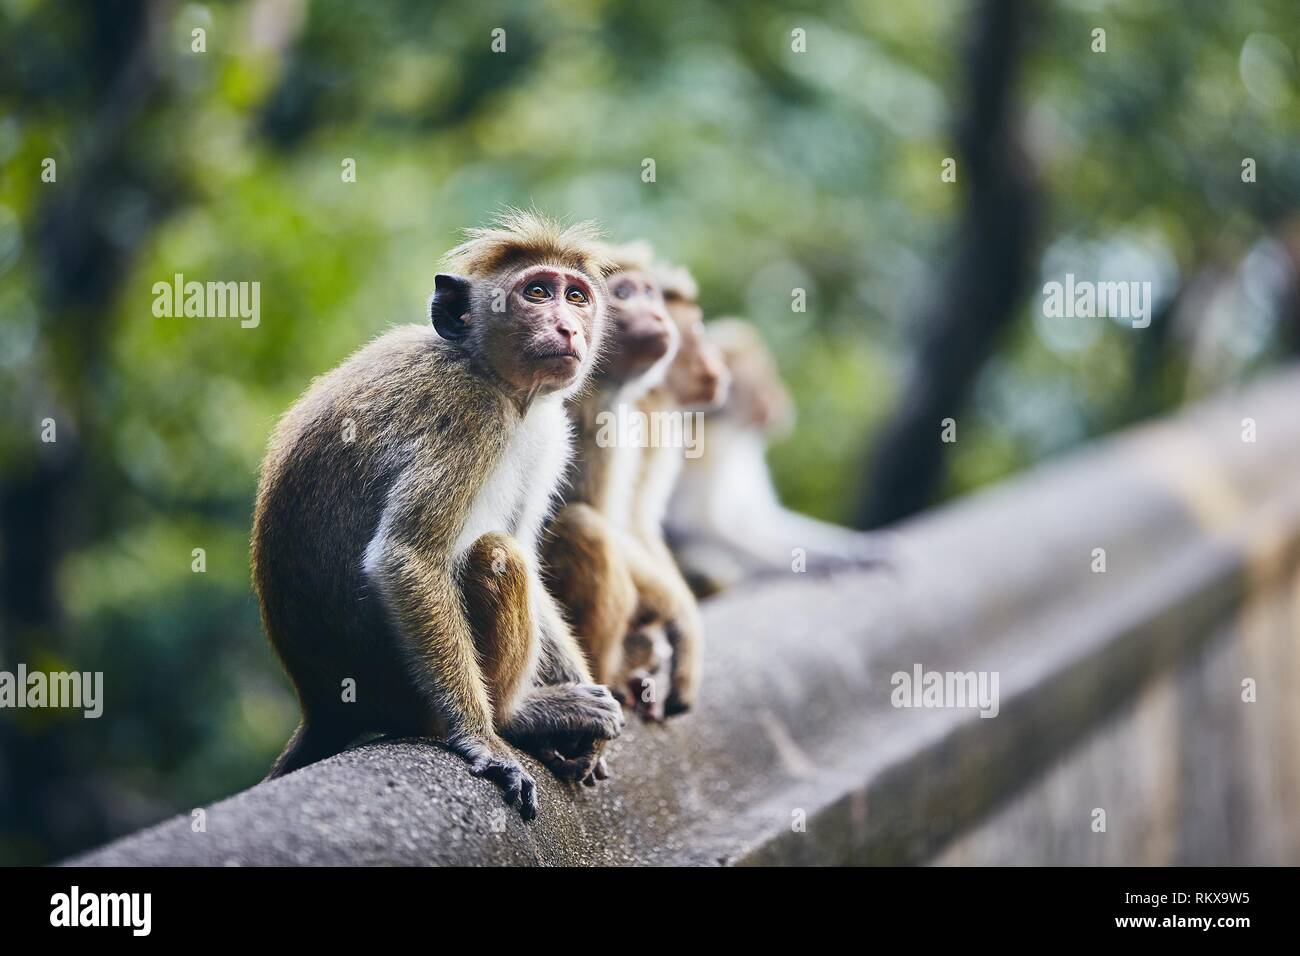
555 355
648 346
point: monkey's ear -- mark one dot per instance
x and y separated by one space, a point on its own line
449 305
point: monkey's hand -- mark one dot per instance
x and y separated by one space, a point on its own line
493 760
566 726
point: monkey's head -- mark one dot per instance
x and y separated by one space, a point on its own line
698 377
642 334
642 339
757 397
527 302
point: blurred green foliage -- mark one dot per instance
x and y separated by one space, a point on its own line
775 170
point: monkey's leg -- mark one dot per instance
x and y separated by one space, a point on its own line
427 606
565 725
573 736
686 637
494 583
590 579
664 595
580 748
648 658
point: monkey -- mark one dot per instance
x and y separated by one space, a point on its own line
399 508
697 380
725 520
620 601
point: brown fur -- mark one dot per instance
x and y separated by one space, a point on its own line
594 584
619 586
677 284
525 236
319 503
353 545
696 379
495 586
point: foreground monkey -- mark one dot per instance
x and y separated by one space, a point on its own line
397 522
725 519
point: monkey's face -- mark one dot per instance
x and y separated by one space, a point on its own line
545 339
698 377
640 332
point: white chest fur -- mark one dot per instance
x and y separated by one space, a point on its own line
519 494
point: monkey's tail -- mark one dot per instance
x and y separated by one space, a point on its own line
308 744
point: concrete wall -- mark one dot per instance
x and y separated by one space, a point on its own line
1118 690
1187 773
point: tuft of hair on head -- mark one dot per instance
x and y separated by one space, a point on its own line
676 283
527 237
638 256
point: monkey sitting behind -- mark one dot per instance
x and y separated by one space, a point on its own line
696 381
618 596
398 515
725 520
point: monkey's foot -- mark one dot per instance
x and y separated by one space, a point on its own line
498 765
676 705
587 766
567 726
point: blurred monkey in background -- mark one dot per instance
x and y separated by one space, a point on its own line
618 597
725 520
695 382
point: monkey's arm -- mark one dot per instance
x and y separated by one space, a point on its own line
410 562
565 725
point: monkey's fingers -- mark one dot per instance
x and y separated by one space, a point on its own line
570 768
594 759
599 771
516 784
528 798
574 765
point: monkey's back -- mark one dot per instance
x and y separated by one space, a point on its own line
330 463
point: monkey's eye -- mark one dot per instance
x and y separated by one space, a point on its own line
536 292
623 291
576 295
